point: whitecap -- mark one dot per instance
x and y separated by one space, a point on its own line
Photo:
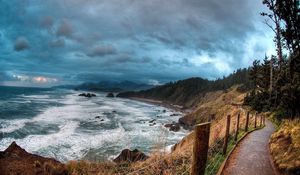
9 126
71 141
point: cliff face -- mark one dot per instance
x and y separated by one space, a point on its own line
15 160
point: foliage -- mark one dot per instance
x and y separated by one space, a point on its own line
288 11
277 79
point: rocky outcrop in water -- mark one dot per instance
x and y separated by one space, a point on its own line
110 95
100 119
187 122
15 160
131 156
152 121
176 114
175 127
89 95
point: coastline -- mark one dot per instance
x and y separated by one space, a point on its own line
184 111
176 108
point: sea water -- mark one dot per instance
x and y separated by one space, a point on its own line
60 124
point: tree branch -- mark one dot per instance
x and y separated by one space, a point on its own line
269 25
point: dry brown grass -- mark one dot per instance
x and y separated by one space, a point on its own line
220 103
166 164
285 146
160 162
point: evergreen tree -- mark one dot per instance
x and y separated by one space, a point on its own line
254 73
279 77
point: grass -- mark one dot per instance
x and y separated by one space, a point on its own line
218 103
158 163
285 146
216 159
274 120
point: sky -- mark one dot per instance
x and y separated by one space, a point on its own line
53 42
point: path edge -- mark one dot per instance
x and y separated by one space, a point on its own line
234 147
272 161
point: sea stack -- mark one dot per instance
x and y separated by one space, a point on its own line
130 156
110 95
89 95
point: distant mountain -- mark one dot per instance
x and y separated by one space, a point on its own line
113 86
68 86
189 92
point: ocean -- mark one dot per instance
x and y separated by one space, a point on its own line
60 124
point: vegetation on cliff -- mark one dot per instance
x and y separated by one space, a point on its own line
189 92
285 146
215 105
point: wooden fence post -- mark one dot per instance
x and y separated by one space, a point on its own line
247 121
200 151
255 120
226 135
261 120
237 127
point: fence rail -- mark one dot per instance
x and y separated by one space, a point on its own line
217 152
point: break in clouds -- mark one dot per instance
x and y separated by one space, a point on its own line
48 42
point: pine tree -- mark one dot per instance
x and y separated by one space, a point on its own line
277 80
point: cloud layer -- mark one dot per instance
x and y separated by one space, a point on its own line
150 41
21 44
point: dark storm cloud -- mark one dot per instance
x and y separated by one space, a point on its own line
81 40
47 22
124 57
65 29
21 43
101 50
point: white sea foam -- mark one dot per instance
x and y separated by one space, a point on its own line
35 96
8 126
74 141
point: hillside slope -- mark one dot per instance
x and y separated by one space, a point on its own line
189 92
215 107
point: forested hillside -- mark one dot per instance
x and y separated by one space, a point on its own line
188 92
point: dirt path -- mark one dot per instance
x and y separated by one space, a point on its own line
251 156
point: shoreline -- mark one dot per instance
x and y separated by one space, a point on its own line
176 108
